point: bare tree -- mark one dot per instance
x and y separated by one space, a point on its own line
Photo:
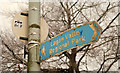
76 13
12 48
99 56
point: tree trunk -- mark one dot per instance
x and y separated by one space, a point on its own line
73 66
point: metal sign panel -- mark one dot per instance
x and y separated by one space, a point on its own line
81 35
20 27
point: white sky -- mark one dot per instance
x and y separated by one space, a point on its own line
6 5
6 9
4 21
11 5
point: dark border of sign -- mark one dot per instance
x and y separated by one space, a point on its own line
76 46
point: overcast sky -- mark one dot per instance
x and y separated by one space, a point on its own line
7 6
6 9
12 5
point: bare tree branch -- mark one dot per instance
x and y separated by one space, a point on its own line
105 12
110 23
74 4
104 63
66 54
82 48
63 6
14 55
115 60
83 55
114 38
84 16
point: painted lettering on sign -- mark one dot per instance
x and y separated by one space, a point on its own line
80 35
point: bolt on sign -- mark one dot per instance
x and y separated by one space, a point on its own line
20 26
78 36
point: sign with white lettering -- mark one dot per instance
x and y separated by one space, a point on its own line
81 35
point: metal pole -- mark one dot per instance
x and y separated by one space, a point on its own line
33 37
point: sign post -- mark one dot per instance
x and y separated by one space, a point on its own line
33 35
20 27
75 37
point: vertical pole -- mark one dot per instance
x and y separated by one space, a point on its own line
33 36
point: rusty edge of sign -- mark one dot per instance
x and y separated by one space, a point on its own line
76 46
